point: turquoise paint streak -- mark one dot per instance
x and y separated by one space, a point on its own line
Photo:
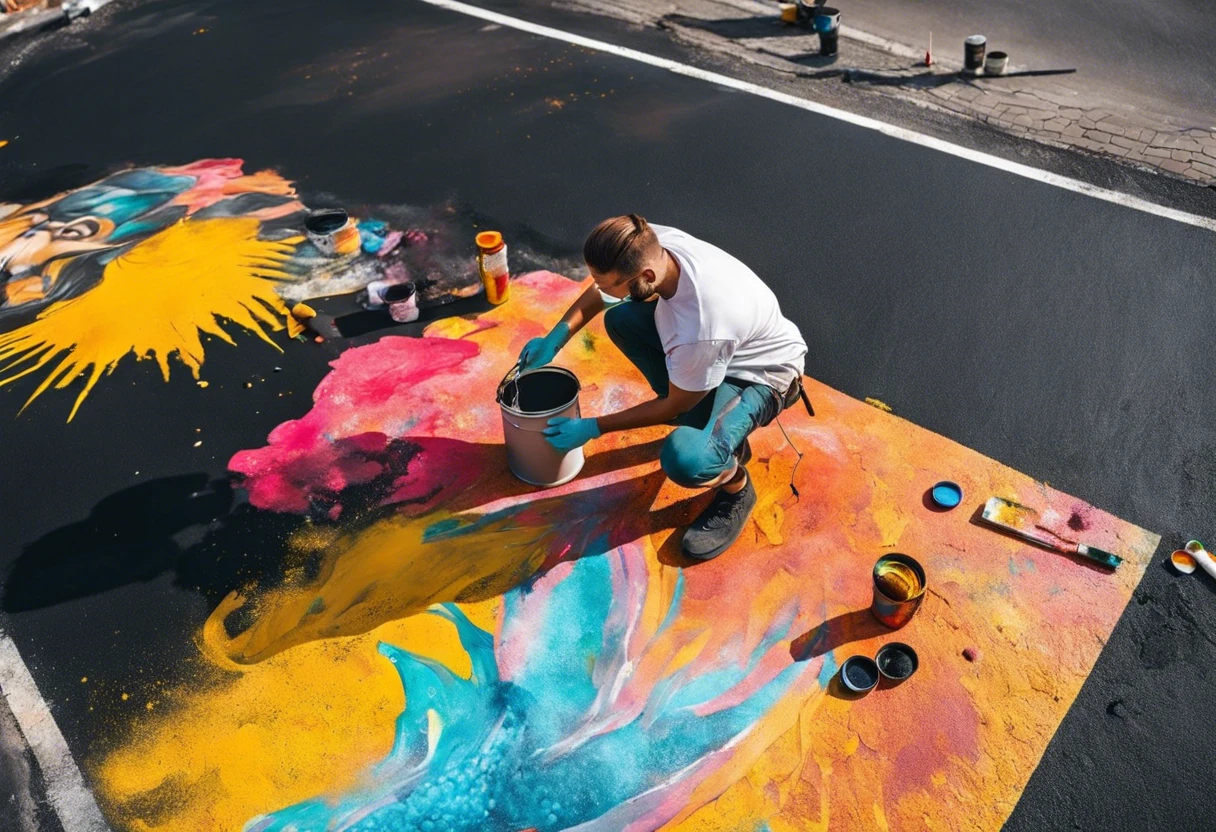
495 762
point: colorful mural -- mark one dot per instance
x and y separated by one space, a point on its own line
154 262
575 673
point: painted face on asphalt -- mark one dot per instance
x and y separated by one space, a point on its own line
30 242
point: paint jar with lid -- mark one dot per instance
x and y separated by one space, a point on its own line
492 263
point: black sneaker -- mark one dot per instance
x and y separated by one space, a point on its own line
720 525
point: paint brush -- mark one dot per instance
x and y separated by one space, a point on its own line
1021 520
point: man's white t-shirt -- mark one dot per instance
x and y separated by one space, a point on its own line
723 321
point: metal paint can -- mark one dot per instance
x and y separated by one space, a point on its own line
492 265
528 402
859 674
896 662
402 300
332 231
974 48
899 587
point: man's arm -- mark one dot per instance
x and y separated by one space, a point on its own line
657 411
541 351
566 434
584 309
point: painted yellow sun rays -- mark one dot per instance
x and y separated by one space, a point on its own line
154 301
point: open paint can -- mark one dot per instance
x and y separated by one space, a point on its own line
332 231
896 662
528 402
859 674
899 587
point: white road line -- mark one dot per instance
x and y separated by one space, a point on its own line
1105 194
65 788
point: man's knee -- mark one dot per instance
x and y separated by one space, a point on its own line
689 458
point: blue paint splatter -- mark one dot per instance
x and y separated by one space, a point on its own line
546 749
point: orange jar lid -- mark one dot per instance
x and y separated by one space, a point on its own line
489 240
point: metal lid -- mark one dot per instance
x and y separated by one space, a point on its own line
896 661
946 494
859 674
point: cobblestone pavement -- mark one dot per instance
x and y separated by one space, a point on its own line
1046 109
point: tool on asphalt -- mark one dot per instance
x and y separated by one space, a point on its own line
896 661
899 587
929 51
859 674
946 494
1193 555
997 63
528 401
332 231
1022 521
973 53
492 264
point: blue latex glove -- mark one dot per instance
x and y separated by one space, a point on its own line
566 434
540 351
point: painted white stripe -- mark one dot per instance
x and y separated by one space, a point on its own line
65 788
1105 194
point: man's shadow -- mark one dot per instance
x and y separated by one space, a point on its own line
214 541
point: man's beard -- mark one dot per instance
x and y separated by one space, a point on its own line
641 290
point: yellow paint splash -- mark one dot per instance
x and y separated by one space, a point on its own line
199 760
385 572
154 301
879 403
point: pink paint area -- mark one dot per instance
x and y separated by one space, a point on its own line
395 388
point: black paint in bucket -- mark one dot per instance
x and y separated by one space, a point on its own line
541 391
326 221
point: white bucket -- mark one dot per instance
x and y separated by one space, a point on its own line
528 403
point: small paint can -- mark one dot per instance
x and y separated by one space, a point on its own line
492 264
996 63
332 231
974 48
946 494
402 300
859 674
826 19
896 662
899 587
789 12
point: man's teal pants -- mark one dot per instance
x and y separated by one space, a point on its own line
701 448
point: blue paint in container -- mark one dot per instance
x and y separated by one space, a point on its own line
946 494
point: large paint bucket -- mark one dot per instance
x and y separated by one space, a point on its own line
528 402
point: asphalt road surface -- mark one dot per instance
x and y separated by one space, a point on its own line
1152 55
1067 337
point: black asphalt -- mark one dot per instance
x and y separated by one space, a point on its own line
1067 337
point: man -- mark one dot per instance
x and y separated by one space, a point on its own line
710 339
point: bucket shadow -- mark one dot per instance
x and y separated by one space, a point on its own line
836 632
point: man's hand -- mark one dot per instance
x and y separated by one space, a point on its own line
540 351
566 434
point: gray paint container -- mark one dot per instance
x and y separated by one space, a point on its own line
528 403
